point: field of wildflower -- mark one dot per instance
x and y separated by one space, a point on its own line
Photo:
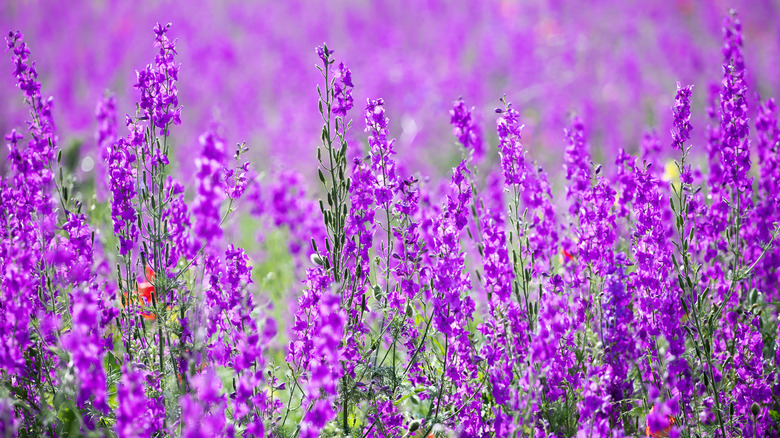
454 218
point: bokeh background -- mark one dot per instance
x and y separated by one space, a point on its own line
250 66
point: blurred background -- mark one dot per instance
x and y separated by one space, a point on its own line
250 65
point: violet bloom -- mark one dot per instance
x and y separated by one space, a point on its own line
9 422
360 224
769 166
624 180
203 411
768 204
449 277
498 271
134 416
17 310
300 349
85 344
577 165
78 267
465 128
178 218
238 275
28 223
652 258
452 310
594 407
342 90
105 136
237 180
597 232
543 237
215 308
324 54
322 387
734 125
715 178
211 193
753 384
552 347
660 421
246 341
32 166
43 145
159 101
122 173
682 117
385 413
408 271
359 232
512 153
382 162
619 342
529 183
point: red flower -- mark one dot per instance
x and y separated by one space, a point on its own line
145 293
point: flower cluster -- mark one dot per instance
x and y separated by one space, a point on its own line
512 154
211 192
466 129
640 300
159 100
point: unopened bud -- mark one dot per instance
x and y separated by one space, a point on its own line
317 260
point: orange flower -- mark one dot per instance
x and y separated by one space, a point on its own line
663 433
145 292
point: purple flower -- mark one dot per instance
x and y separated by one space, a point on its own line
324 54
178 223
211 191
384 413
135 414
734 125
512 154
237 180
78 267
156 83
577 165
495 260
617 323
682 117
35 161
342 90
753 385
597 232
768 204
465 129
382 163
85 343
324 338
122 173
203 412
359 231
105 136
449 278
9 422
